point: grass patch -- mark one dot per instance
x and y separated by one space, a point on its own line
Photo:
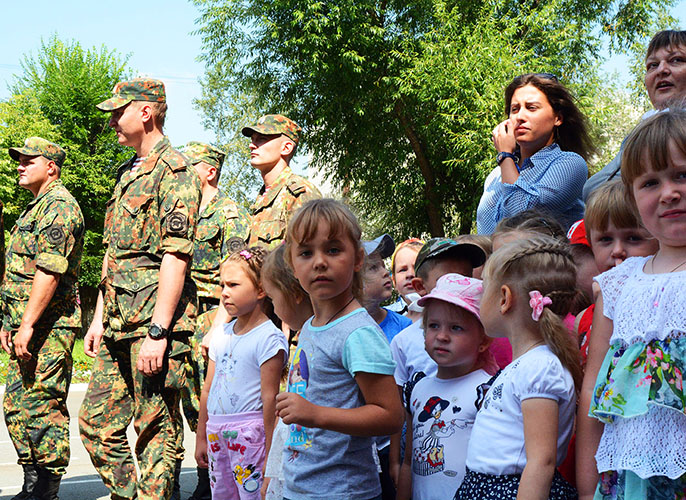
82 364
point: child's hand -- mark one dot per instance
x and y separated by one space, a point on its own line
294 409
265 485
201 452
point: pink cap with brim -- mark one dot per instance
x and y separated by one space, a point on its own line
456 289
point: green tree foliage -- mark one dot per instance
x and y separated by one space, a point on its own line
399 97
55 97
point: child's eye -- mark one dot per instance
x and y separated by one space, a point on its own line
456 328
305 253
681 175
334 250
432 326
635 238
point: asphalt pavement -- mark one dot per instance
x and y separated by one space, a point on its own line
81 481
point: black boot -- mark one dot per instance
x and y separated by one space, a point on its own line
30 480
176 490
202 490
47 486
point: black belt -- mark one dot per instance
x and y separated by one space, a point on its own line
207 304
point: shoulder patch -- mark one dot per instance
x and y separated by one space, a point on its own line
235 244
55 234
297 185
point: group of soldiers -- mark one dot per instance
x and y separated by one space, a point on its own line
167 228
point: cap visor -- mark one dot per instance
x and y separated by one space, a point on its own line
15 152
113 103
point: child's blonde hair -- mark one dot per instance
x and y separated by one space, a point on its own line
650 141
609 203
544 264
413 243
307 219
276 271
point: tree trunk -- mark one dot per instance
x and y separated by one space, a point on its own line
433 208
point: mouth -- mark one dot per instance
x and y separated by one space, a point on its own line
388 284
669 214
441 350
321 279
661 85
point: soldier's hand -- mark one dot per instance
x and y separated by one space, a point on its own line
91 342
21 342
151 356
5 340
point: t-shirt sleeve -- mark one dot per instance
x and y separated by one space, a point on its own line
400 373
542 378
217 342
274 342
612 283
366 350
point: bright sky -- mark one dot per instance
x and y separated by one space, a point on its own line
156 34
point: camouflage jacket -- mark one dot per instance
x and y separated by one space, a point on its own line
48 235
153 211
275 205
222 229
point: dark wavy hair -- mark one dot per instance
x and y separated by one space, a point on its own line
666 38
572 135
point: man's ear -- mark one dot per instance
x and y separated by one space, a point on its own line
212 173
418 285
146 112
506 299
53 169
287 147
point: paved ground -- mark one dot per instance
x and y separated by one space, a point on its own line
81 481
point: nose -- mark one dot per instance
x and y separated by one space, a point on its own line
663 67
113 121
319 260
669 193
252 145
618 252
386 273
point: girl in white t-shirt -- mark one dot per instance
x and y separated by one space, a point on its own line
237 404
522 430
443 406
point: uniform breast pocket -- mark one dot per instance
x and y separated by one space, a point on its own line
206 252
134 224
271 230
22 248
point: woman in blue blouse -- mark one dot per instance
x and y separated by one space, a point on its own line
542 149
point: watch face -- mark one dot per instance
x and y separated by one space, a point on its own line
155 332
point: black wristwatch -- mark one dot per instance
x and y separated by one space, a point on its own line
156 332
504 154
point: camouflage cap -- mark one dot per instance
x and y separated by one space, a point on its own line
446 246
200 152
37 146
274 124
138 89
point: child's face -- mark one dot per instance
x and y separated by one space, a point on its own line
404 270
661 200
445 266
614 245
239 295
325 267
453 338
377 281
283 307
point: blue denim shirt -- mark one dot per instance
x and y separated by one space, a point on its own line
551 180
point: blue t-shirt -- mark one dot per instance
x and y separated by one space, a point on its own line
322 464
394 323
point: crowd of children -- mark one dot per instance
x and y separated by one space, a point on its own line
560 375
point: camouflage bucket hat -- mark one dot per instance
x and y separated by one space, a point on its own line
444 247
274 125
198 152
37 146
138 89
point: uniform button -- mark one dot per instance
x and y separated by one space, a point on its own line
136 288
269 236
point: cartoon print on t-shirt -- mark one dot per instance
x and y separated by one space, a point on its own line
298 377
223 380
429 456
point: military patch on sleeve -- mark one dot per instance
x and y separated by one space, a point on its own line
235 244
55 235
177 223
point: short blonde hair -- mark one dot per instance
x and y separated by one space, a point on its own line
648 145
610 203
304 224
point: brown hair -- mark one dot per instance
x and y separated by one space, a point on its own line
648 145
304 224
609 203
555 277
666 38
251 260
531 221
484 242
276 271
572 134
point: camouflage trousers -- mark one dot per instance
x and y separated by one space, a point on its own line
35 401
195 369
117 393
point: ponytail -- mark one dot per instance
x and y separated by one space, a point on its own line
558 339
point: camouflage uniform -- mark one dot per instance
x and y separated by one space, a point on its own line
222 229
48 236
153 211
276 203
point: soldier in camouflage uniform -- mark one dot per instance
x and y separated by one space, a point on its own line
41 317
146 310
222 229
273 140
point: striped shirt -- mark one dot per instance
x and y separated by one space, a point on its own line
551 181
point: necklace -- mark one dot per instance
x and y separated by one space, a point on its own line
652 266
340 310
231 346
533 345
